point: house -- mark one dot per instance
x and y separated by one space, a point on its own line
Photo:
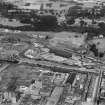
10 96
54 98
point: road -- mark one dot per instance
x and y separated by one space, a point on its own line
99 84
4 66
61 67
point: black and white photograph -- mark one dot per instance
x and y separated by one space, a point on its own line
52 52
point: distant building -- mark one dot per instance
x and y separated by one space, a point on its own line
31 7
43 5
10 96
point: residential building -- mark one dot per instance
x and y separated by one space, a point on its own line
53 100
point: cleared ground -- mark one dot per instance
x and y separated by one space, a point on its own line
23 73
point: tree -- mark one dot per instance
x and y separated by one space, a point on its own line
82 23
101 54
70 21
18 95
45 22
94 49
12 58
32 81
102 25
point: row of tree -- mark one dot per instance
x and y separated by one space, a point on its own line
96 52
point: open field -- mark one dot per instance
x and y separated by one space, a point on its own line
24 74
